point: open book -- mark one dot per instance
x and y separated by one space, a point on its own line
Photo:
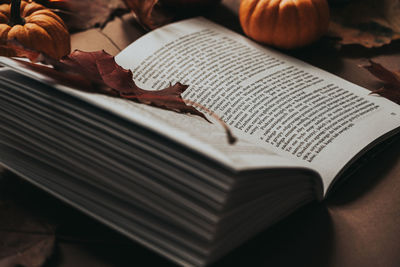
171 181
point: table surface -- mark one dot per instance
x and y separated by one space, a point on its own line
357 226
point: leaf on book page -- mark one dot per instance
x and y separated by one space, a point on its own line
97 72
370 23
25 241
101 66
391 79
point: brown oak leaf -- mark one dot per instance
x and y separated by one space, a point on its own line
370 23
391 79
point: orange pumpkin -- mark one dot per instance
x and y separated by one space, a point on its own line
284 23
35 27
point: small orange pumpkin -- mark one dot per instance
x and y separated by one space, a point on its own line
35 27
284 23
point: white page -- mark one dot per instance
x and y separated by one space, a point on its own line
283 105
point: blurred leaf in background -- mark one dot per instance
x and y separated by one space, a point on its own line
370 23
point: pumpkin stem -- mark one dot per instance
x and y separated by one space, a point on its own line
15 18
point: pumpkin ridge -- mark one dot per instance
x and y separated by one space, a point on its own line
296 26
42 19
23 8
4 33
305 31
28 37
60 34
277 33
31 8
317 16
18 33
5 9
244 10
48 14
41 36
3 18
272 12
44 24
299 28
267 17
256 17
321 26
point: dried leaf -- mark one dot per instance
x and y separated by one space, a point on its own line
391 79
370 23
82 15
69 79
98 72
100 65
148 14
152 14
25 241
382 73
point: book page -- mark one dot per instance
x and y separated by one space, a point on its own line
278 103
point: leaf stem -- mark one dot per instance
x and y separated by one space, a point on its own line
231 138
